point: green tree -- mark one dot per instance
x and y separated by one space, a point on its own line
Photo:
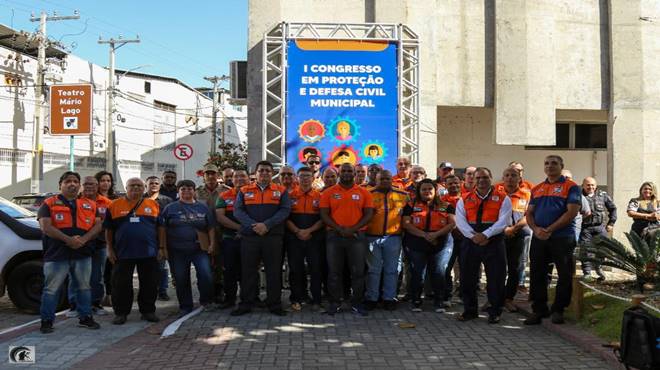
229 155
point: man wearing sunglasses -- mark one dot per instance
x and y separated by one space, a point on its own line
314 163
288 178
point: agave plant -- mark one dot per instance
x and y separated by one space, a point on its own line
641 258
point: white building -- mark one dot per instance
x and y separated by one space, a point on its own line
152 114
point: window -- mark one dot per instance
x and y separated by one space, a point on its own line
164 106
590 136
147 87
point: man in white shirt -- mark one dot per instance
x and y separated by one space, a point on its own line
481 216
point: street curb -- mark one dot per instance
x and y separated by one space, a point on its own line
580 338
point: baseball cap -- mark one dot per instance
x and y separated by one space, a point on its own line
210 167
446 165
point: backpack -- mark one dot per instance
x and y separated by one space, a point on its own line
640 339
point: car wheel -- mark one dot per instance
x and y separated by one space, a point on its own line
25 284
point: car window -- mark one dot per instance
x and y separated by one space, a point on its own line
13 210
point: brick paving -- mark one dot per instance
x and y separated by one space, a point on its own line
306 340
309 340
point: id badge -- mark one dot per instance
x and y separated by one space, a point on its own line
134 220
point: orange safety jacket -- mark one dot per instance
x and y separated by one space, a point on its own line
70 221
388 210
481 214
428 218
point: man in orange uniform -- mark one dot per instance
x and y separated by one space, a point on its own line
402 178
481 216
347 209
384 237
515 233
303 242
262 209
69 225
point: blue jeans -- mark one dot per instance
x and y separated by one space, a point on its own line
523 260
437 262
95 281
180 261
164 274
55 273
384 257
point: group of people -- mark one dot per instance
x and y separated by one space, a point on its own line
358 236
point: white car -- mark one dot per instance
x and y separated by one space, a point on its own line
21 256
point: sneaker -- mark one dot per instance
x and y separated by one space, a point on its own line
446 304
119 320
332 309
151 317
296 307
71 313
89 323
99 310
163 297
493 319
370 305
601 278
240 311
557 318
46 327
439 309
279 311
509 306
417 306
359 310
389 305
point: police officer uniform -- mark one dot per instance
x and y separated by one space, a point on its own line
601 205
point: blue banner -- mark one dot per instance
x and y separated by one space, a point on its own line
342 102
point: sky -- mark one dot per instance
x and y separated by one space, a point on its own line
186 40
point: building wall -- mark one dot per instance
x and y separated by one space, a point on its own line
513 65
463 140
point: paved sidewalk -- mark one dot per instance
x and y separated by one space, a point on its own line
309 340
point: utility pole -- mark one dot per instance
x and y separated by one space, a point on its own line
39 116
110 147
214 124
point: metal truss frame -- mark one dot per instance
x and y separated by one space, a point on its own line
274 66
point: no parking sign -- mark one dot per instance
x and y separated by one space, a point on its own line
183 152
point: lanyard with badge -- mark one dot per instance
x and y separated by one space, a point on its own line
133 218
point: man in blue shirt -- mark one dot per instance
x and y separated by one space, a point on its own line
551 216
261 209
132 241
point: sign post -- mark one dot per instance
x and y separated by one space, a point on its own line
183 152
71 113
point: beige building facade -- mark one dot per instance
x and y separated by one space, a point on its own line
505 80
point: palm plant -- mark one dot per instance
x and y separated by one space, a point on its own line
640 259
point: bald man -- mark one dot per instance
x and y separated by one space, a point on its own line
599 222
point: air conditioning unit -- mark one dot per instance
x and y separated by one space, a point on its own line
238 89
